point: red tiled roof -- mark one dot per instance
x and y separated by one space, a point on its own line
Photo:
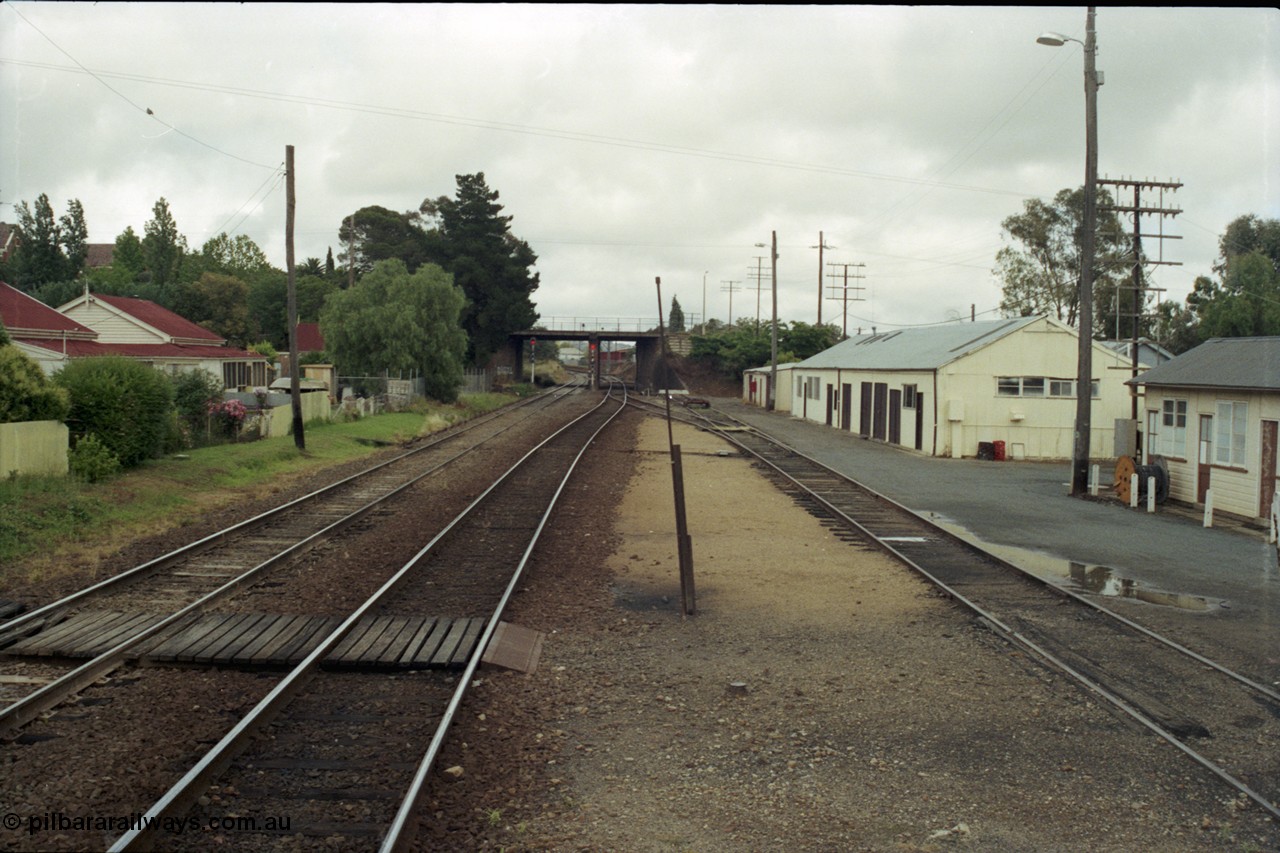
309 338
88 349
158 318
26 315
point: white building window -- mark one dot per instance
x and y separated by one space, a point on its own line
910 397
1230 426
1037 386
1172 438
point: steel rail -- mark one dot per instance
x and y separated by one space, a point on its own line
187 790
400 835
191 548
26 709
1007 632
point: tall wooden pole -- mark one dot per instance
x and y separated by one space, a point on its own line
294 391
1088 225
773 337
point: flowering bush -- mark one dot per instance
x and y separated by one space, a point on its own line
228 415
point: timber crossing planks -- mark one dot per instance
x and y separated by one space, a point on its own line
376 643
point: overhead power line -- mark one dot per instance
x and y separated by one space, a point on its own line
529 130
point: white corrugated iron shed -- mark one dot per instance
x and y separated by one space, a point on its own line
920 348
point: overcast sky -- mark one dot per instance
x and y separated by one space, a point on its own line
629 142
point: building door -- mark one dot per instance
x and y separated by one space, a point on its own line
895 416
1269 430
864 411
846 406
919 422
831 403
1205 457
879 419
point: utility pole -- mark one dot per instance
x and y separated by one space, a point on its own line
295 392
820 247
730 287
351 253
758 275
1138 301
704 301
844 290
773 337
1089 225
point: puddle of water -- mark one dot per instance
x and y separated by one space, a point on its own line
1078 577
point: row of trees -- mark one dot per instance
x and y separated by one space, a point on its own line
387 303
1040 268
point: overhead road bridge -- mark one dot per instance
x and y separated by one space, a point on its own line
652 373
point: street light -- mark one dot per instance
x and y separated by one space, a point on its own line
1084 367
704 301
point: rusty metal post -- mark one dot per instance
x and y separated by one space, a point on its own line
684 545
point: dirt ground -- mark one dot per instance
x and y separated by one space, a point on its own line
823 698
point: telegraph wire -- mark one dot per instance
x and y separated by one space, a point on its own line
529 130
146 110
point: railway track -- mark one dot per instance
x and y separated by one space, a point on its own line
1226 722
342 747
106 624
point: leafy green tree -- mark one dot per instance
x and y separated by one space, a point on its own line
732 351
1245 235
472 240
194 391
1248 304
675 319
4 336
163 248
25 393
378 234
399 322
219 303
802 340
1040 271
1175 327
123 402
74 238
237 256
128 255
38 257
1244 299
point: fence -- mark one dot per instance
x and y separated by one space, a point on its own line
34 447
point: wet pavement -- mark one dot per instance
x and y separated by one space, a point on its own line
1022 511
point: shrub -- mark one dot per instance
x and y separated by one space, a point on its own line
193 392
91 461
124 403
227 416
25 393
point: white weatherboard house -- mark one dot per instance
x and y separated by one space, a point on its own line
945 390
1213 414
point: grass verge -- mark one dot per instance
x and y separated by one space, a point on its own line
56 525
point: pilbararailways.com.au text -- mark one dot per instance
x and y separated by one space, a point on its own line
59 822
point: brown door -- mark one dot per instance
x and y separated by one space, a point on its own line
895 416
1204 459
831 403
864 411
846 406
1269 430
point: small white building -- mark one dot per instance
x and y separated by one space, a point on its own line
1212 414
755 386
948 390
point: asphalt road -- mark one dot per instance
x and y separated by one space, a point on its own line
1023 512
